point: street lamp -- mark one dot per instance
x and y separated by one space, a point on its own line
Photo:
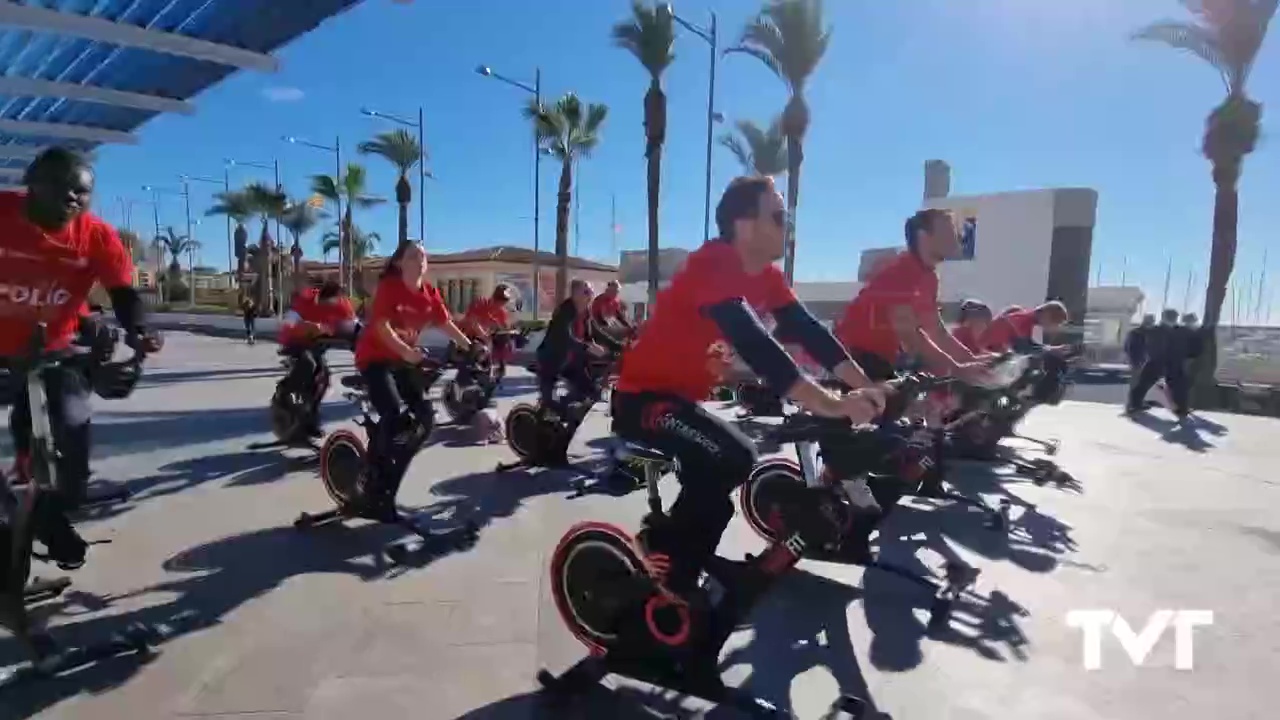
336 149
423 173
185 194
536 90
225 182
709 35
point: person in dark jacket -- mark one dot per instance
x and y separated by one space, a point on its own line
567 345
1135 345
1168 346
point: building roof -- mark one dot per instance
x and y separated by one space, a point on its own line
81 73
502 253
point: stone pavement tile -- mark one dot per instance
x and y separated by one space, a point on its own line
439 683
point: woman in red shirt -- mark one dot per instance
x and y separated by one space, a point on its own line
975 318
387 353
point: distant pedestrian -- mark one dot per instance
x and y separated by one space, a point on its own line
250 312
1167 351
1135 345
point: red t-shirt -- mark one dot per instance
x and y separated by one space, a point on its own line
1009 326
408 311
48 275
309 309
969 338
605 307
680 350
867 324
483 315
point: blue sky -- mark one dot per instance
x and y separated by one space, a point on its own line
1014 94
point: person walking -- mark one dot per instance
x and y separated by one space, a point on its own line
250 312
1167 349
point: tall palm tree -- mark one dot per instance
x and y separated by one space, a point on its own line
760 151
789 37
237 206
171 242
361 246
1227 34
401 149
649 36
268 204
352 189
568 130
299 217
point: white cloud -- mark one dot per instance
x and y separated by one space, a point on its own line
280 93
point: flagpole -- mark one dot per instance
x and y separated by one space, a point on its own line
1262 283
1186 298
1124 270
1168 275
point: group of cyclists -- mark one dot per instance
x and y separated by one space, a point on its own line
703 324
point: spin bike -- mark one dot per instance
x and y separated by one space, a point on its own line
477 378
363 479
540 436
290 408
20 512
631 628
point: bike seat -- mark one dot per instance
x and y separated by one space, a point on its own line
644 453
353 382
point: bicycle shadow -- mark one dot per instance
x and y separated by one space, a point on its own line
1184 434
214 579
802 625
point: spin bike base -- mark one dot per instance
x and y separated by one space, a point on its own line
421 541
560 690
297 444
44 589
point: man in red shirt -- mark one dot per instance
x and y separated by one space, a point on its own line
387 352
608 310
1013 329
52 252
975 318
896 313
700 321
317 316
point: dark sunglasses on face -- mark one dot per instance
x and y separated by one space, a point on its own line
780 218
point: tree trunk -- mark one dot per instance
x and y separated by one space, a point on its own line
404 195
795 156
345 264
655 127
563 201
263 269
1222 259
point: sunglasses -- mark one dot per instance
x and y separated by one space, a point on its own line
780 218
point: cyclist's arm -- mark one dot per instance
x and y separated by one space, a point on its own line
947 342
128 308
766 358
795 322
917 341
113 268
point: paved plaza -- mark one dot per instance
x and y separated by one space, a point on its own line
292 625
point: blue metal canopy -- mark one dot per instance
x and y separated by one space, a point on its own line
81 73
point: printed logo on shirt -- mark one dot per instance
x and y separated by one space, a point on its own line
11 294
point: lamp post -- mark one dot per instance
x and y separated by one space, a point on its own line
274 167
225 182
709 35
536 90
185 194
348 273
423 173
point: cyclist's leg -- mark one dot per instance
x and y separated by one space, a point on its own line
414 395
320 380
68 392
714 457
385 399
20 427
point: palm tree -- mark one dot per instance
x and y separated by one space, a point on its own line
790 38
171 242
352 189
268 204
568 130
237 206
760 151
1227 34
401 149
361 245
299 218
649 36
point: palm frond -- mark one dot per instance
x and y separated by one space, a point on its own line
233 204
399 147
789 37
1191 38
649 35
734 144
266 201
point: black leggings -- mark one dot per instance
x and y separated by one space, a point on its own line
715 458
574 373
393 387
1175 376
310 377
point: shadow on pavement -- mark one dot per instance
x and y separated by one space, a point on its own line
171 428
513 386
1170 431
215 579
622 703
239 373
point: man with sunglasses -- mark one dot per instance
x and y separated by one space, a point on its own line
707 315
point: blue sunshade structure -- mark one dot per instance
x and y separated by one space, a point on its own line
82 73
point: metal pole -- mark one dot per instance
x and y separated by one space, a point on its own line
186 197
422 180
278 271
155 214
537 195
346 278
711 111
231 253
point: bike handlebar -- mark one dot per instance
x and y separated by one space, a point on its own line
807 427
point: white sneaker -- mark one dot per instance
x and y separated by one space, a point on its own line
859 494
